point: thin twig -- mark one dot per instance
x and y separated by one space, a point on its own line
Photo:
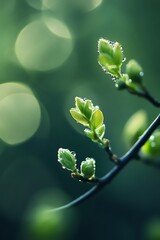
103 181
155 102
111 155
148 97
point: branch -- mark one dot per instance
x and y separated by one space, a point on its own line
148 97
116 169
152 100
111 155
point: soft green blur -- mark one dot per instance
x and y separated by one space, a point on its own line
152 229
43 223
48 56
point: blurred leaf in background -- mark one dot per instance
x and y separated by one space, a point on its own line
43 223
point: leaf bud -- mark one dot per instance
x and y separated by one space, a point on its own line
67 159
78 117
88 168
135 71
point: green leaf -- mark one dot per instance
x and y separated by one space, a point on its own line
84 106
104 60
89 133
96 119
80 104
110 57
88 109
100 131
114 70
105 47
78 116
118 54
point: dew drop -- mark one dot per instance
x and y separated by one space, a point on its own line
73 153
124 59
112 43
113 79
141 74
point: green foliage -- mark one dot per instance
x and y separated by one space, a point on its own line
110 57
91 117
142 141
68 161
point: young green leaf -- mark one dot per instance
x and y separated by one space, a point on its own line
110 57
118 54
97 119
89 133
105 47
100 131
78 117
88 109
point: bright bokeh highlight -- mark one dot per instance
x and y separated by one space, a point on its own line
88 5
20 113
44 44
81 5
37 4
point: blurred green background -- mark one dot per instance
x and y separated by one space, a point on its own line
48 55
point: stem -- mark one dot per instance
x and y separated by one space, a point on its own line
116 169
151 99
148 97
111 155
